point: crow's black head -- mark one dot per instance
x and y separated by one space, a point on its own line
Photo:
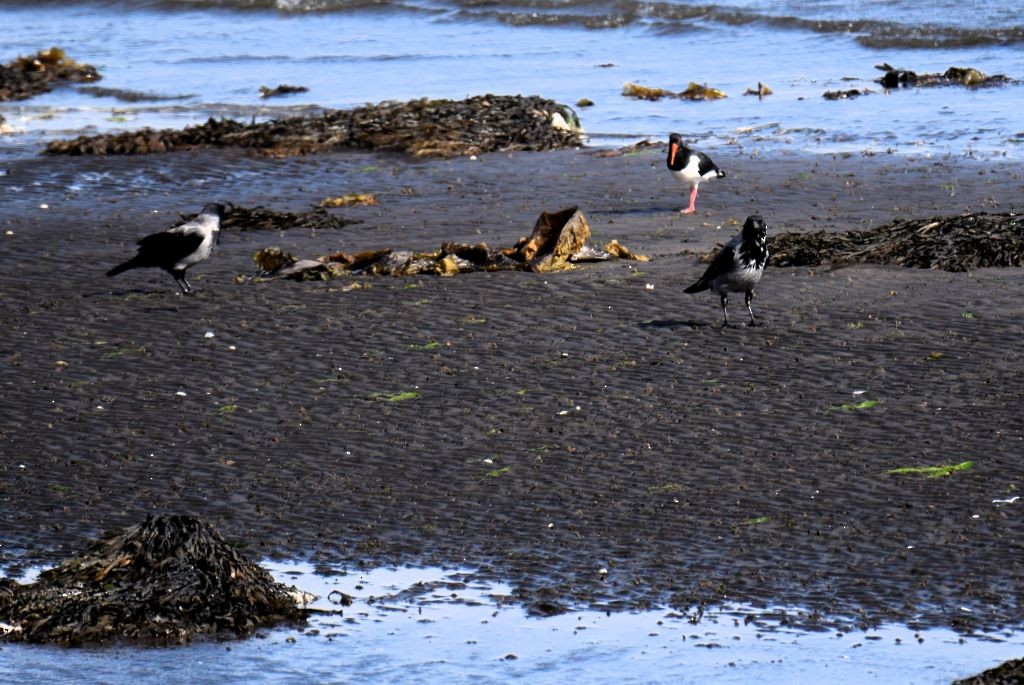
754 246
215 208
754 229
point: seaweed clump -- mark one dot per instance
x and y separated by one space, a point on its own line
283 89
954 76
896 78
958 243
558 241
26 77
439 128
694 91
125 95
845 94
163 581
1007 673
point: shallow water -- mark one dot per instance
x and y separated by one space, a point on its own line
431 625
213 57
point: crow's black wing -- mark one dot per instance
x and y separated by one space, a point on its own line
723 263
166 248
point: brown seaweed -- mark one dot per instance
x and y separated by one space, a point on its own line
844 94
635 90
958 243
283 89
896 78
694 91
558 240
1007 673
762 91
348 200
26 77
954 76
124 95
556 237
440 128
163 581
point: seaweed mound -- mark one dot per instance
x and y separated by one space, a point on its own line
162 582
954 76
894 78
441 128
957 243
558 240
29 76
1008 673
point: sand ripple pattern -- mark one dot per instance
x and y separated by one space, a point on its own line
542 426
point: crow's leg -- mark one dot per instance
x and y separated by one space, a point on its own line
725 309
179 278
750 296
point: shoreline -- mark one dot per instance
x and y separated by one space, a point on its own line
689 470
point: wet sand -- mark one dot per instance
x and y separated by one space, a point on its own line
563 423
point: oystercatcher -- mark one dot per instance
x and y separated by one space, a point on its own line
690 167
178 248
737 267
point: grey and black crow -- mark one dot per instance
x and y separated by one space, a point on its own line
178 248
737 267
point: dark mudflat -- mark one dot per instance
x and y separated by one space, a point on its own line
562 423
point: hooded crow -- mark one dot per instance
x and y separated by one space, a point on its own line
690 167
178 248
738 266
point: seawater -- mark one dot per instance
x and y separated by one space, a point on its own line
432 625
214 56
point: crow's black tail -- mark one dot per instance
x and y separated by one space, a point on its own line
698 287
133 263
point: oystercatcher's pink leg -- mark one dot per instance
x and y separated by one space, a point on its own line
693 198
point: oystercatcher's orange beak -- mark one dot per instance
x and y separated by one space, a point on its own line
672 148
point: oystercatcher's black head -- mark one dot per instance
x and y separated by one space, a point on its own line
676 152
